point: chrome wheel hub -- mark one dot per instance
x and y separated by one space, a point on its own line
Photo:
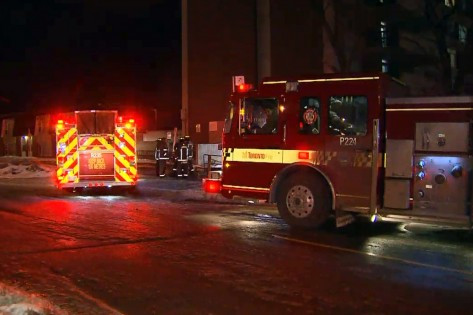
300 201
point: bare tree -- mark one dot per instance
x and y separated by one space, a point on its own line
343 31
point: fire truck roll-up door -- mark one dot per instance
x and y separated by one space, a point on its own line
96 150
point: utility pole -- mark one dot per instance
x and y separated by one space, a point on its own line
263 39
185 70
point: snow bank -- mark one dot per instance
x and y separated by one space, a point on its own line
21 167
15 302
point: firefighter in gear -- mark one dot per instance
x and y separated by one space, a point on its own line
190 154
162 155
183 156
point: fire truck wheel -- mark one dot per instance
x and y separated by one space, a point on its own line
304 201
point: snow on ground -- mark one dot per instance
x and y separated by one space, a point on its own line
15 302
33 167
25 167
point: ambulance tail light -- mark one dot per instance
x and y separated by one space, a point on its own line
245 87
212 185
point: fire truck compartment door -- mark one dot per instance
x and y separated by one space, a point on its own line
351 152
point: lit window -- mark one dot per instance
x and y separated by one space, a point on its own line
384 36
462 32
453 58
384 65
450 3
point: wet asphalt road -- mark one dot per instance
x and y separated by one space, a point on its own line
162 251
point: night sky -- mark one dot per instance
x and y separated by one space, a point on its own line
76 54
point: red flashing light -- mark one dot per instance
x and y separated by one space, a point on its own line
212 186
244 87
127 125
303 155
120 119
132 121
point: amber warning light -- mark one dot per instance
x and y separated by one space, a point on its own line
60 124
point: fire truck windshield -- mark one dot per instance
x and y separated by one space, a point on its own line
259 116
228 118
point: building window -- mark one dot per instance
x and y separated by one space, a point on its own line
259 116
384 34
462 33
348 115
309 115
453 58
384 66
450 3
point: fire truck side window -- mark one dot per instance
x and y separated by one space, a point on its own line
229 118
259 116
348 115
309 115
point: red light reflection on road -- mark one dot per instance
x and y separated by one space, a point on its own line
57 210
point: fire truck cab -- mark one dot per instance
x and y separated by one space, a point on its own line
348 144
96 148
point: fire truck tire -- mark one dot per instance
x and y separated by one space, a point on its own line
304 200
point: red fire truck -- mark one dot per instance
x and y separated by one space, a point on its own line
96 148
348 145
